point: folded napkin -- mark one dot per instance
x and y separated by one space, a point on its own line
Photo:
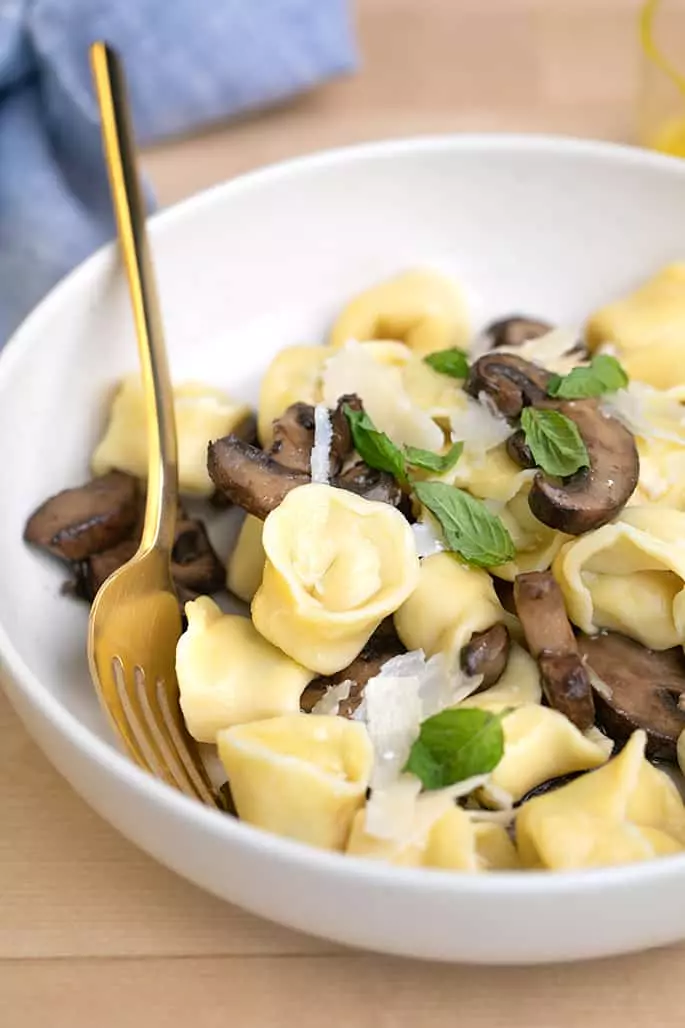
188 62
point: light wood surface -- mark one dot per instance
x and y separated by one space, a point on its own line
92 933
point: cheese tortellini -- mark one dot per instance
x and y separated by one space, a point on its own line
246 561
539 744
336 565
629 576
300 776
202 414
450 602
452 841
424 309
646 328
229 675
624 812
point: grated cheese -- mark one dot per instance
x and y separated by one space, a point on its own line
321 450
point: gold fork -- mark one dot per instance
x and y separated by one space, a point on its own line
135 620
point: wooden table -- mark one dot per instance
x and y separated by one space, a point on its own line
92 933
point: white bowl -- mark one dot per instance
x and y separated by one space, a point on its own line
545 226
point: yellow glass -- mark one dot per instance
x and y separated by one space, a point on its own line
662 95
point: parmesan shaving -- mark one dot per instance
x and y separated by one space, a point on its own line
353 369
329 704
478 427
496 817
497 797
553 350
321 450
400 814
604 690
427 539
647 412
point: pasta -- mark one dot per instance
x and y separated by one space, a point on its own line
202 413
299 776
629 577
465 565
229 675
336 566
450 602
444 837
646 327
423 309
246 561
626 811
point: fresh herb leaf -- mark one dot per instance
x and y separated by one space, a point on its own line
451 362
469 528
456 744
555 442
604 374
374 446
428 461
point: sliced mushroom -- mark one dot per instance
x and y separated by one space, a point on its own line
549 635
487 654
370 483
382 645
637 688
249 477
195 567
519 451
77 523
510 382
342 445
594 495
293 438
515 330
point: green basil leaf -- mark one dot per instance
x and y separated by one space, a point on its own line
374 446
451 362
555 442
603 375
456 744
469 528
428 461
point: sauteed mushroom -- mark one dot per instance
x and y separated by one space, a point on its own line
89 519
594 495
510 382
487 654
640 688
515 330
550 638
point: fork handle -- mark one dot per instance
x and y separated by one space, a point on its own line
129 209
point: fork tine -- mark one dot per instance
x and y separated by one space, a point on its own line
194 768
174 765
135 733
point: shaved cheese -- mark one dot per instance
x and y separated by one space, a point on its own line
497 797
329 704
478 426
407 690
401 814
321 450
647 412
496 817
427 539
552 351
353 369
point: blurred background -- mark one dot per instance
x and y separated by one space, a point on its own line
560 66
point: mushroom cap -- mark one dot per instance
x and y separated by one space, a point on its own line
643 690
515 330
250 477
487 654
510 382
596 494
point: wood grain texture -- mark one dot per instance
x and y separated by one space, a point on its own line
91 931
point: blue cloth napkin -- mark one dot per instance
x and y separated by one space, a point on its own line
188 62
